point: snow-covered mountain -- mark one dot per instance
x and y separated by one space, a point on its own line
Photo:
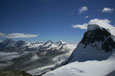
31 56
94 55
9 45
96 44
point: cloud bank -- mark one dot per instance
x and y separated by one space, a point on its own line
17 35
105 23
83 9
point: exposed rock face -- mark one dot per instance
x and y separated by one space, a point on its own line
99 35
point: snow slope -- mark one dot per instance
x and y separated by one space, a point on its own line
87 68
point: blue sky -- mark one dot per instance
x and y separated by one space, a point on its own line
42 20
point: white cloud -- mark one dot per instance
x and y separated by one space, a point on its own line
82 9
107 10
83 26
17 35
86 16
105 23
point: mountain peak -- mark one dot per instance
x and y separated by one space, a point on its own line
97 44
61 42
8 40
98 35
20 43
92 27
95 34
48 42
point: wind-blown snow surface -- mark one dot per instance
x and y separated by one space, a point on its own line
88 68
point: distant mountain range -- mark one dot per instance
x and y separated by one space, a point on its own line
9 45
21 55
